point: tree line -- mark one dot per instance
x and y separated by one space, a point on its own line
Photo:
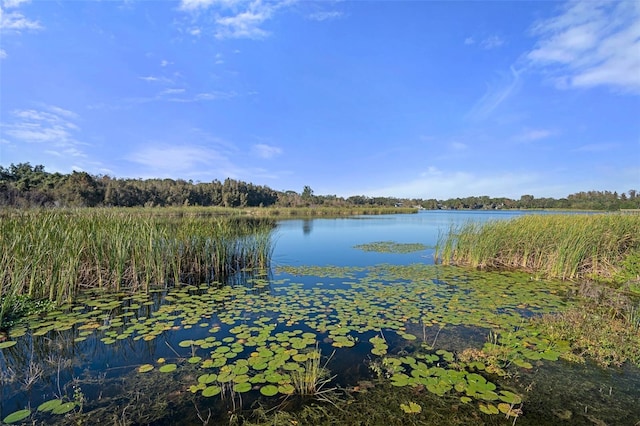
24 186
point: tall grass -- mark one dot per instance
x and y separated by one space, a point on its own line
55 254
558 246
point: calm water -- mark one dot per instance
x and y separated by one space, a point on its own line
332 241
92 359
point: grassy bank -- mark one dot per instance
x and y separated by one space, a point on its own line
310 212
53 255
605 247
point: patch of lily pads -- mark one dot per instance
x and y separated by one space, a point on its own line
391 247
255 338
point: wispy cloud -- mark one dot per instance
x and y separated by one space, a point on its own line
3 53
596 147
530 135
490 42
266 151
156 79
182 95
52 127
245 24
495 95
442 184
233 18
168 159
9 4
14 21
325 16
459 146
589 44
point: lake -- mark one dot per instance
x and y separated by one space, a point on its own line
353 324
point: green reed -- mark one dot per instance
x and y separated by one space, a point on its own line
559 246
56 254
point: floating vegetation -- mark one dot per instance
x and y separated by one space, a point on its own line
17 416
411 408
391 247
271 340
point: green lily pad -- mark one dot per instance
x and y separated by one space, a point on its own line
210 391
242 387
49 405
7 344
269 390
167 368
64 408
17 416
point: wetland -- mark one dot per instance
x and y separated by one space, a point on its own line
338 321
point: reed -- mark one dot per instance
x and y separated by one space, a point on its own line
56 254
561 246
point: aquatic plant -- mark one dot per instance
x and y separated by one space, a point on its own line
558 246
391 247
311 380
53 255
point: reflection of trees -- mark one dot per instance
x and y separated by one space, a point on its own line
307 226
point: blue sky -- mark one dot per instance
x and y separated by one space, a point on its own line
387 98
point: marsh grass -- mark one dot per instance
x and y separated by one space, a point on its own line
556 246
313 378
54 255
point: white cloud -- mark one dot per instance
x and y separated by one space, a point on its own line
171 159
325 16
165 63
154 79
439 184
496 95
9 4
591 44
491 42
232 18
596 147
195 4
530 135
244 25
52 127
214 95
172 92
3 54
266 151
16 22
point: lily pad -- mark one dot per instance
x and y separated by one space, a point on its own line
167 368
145 368
8 344
17 416
269 390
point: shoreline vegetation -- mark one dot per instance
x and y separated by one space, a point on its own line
601 252
600 247
53 255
